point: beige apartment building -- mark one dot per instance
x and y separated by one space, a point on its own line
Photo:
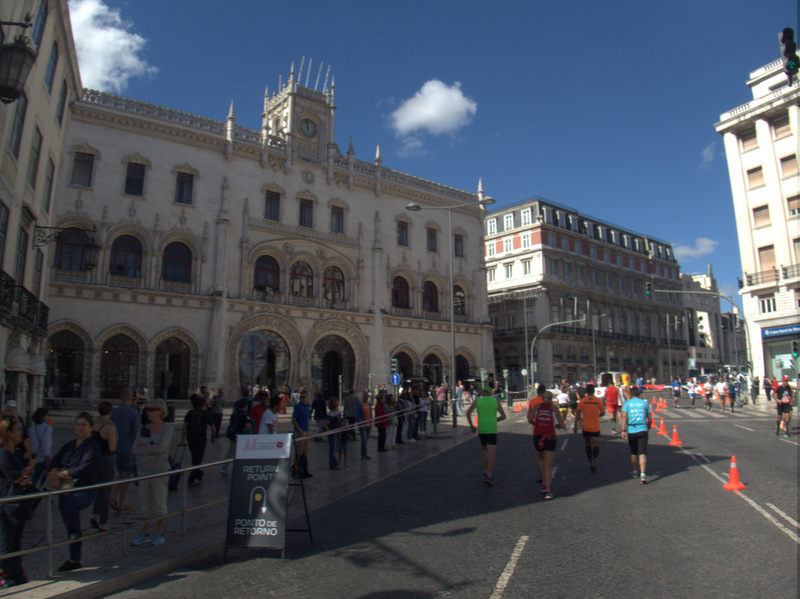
33 131
548 263
231 257
761 144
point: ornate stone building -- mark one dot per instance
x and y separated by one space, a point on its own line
548 263
33 132
231 256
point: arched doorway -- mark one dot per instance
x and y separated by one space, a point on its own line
462 368
432 369
173 359
119 366
405 365
65 362
263 360
332 356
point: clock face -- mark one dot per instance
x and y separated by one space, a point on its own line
308 127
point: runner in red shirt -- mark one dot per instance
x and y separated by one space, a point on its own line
543 417
612 406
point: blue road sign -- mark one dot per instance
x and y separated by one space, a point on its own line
395 378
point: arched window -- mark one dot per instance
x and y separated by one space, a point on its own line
177 265
301 280
333 284
430 297
126 257
267 274
459 301
400 294
70 250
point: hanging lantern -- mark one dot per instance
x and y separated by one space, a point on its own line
16 61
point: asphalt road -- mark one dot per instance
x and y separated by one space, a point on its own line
436 530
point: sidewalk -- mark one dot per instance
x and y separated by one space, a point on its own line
112 564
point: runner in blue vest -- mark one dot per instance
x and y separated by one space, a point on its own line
636 421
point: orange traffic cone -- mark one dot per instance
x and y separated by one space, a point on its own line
662 430
652 423
658 407
733 478
675 439
663 403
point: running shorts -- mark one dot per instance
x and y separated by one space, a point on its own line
544 443
587 434
638 443
612 407
488 438
784 408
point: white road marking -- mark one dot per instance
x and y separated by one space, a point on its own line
705 458
786 517
792 535
508 571
792 442
564 444
744 427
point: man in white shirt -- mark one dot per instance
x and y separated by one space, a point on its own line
721 389
269 421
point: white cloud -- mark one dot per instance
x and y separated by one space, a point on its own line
109 54
436 109
702 247
707 155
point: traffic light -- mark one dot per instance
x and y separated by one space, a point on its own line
794 348
648 288
789 53
394 365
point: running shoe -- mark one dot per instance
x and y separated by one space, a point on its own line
593 467
643 479
634 474
548 494
142 539
489 480
542 488
158 540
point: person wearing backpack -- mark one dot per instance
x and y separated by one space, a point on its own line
194 434
239 425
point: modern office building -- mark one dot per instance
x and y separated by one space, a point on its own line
761 144
548 263
33 131
231 257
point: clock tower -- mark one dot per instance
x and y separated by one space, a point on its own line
300 119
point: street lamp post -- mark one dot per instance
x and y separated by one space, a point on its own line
540 331
594 347
416 208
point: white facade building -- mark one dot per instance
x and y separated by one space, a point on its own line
33 132
704 323
761 144
548 263
231 257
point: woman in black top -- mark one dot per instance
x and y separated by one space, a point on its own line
14 475
77 461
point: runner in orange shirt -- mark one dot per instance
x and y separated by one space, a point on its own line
590 408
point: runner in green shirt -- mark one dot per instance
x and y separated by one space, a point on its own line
488 408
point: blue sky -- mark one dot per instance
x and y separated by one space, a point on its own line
605 106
